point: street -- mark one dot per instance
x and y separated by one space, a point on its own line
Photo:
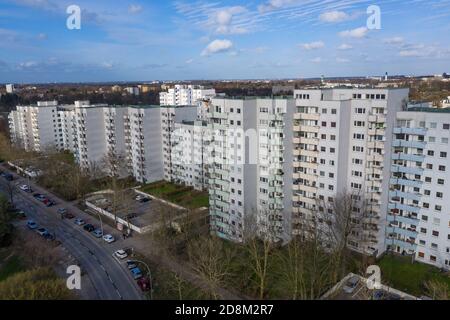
110 279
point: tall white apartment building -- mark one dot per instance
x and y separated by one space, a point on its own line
249 157
144 148
342 147
190 154
10 88
418 219
185 95
37 127
170 115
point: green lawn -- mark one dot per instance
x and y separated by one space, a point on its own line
181 195
11 266
398 272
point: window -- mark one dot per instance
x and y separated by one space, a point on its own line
435 233
433 125
439 195
431 139
430 153
333 137
443 154
441 181
334 111
438 208
446 126
441 168
444 140
333 124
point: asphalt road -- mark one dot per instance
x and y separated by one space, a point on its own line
109 277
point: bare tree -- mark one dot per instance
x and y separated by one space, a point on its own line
211 261
438 290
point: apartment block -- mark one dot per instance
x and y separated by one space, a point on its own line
249 159
189 154
170 115
37 127
342 147
418 220
185 95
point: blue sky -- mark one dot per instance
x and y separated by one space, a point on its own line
178 40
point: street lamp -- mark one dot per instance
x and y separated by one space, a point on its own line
150 276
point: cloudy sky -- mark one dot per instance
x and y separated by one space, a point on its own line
148 40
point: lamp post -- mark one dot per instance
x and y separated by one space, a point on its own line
150 276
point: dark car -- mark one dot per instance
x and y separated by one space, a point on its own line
144 200
69 216
48 236
89 227
131 264
144 284
48 202
9 177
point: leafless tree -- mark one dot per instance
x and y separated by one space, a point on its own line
438 290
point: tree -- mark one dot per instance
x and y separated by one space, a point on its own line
437 290
6 228
210 259
37 284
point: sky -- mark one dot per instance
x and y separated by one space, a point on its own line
197 40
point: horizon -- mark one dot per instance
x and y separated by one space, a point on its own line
45 41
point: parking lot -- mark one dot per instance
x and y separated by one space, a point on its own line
143 213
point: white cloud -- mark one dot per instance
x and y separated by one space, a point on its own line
316 60
217 46
189 61
354 33
344 47
342 60
334 16
135 8
222 20
272 5
313 45
411 53
394 40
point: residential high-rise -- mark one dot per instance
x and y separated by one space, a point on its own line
250 160
418 220
342 148
185 95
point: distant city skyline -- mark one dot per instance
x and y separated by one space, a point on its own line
187 40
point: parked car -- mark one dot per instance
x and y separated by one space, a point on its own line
144 284
80 222
21 215
145 200
62 210
131 264
136 273
108 238
39 197
26 188
69 216
121 254
48 203
97 233
351 285
48 236
8 176
32 225
89 228
42 231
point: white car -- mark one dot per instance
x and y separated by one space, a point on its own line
25 188
109 238
121 254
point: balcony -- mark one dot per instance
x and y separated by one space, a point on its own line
408 157
409 144
375 145
307 153
313 129
402 244
406 182
407 170
403 219
411 131
405 195
377 118
301 198
403 232
307 116
403 207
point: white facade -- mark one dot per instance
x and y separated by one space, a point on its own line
10 88
249 161
184 95
132 90
37 127
189 154
342 147
418 220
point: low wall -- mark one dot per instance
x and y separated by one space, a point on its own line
140 230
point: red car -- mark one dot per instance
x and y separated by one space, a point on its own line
144 284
